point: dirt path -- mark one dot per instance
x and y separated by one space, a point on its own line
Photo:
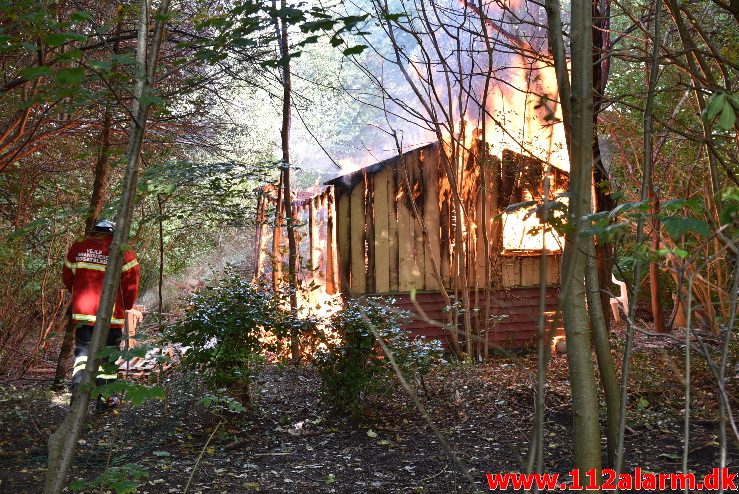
292 442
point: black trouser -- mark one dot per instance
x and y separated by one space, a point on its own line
82 337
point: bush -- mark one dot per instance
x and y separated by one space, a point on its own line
229 328
356 368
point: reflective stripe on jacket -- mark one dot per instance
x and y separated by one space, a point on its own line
84 270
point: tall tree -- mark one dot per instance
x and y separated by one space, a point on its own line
281 31
578 118
63 441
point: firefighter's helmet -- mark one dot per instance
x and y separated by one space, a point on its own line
104 226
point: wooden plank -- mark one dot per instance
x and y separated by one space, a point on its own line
392 214
431 214
277 239
369 232
261 226
358 260
343 238
313 239
553 269
508 271
382 232
445 243
415 173
479 238
407 270
530 267
330 245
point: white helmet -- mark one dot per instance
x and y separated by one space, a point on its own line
104 226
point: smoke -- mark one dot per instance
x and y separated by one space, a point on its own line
431 65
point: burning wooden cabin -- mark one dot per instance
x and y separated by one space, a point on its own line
393 228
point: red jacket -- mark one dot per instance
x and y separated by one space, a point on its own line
84 270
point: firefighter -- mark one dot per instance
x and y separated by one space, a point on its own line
84 270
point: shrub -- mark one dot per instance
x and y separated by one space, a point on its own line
356 367
229 328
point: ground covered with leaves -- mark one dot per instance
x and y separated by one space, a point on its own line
292 441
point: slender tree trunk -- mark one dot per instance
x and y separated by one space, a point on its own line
277 238
63 441
292 248
160 203
601 180
644 194
607 369
586 427
654 283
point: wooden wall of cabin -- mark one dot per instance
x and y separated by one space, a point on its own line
380 243
315 229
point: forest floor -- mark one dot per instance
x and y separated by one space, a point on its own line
292 442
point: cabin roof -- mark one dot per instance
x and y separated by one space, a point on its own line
346 178
349 177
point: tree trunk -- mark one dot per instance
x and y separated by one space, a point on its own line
160 287
654 284
601 179
608 379
62 443
292 248
579 120
644 194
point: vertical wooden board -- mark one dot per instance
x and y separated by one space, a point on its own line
479 238
431 214
509 275
392 215
313 239
343 238
330 245
517 270
445 242
415 173
358 260
382 232
369 232
530 267
407 270
553 269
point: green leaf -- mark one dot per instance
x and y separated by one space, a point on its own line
58 39
355 50
151 100
101 65
125 486
122 59
78 485
71 55
715 105
727 118
694 203
676 227
628 206
73 75
31 73
394 17
81 16
729 213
